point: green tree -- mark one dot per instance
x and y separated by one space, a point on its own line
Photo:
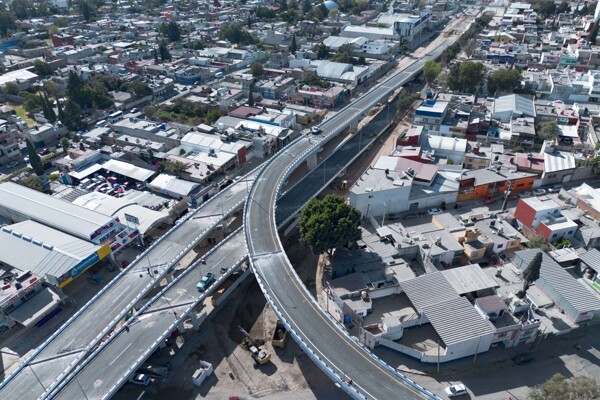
32 182
344 55
73 116
32 102
547 8
34 158
61 114
548 130
54 30
562 243
294 45
139 89
531 273
328 224
65 143
504 81
49 113
233 32
322 51
42 68
536 242
431 70
155 54
466 76
174 167
173 32
306 6
7 23
86 10
564 7
212 116
76 91
257 69
163 50
559 388
11 88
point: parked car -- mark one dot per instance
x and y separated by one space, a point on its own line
97 279
554 189
44 151
140 379
456 390
513 197
489 200
539 192
523 358
315 130
434 211
206 281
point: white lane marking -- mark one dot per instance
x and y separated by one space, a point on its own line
121 353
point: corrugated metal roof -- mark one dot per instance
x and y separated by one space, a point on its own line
469 278
50 211
69 244
26 255
456 320
517 105
559 161
562 282
429 289
128 170
591 258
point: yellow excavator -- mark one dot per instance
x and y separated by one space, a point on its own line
260 355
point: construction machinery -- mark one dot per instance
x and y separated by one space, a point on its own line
260 355
279 335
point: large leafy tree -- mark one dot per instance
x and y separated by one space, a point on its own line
236 34
257 69
531 273
328 224
466 76
322 51
504 81
559 388
72 116
548 130
431 70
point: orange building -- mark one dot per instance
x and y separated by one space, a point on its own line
491 182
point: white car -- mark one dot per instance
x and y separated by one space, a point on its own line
456 390
434 211
539 192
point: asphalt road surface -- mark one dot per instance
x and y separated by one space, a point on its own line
94 320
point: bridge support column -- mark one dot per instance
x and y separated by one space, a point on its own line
312 161
195 322
353 127
181 327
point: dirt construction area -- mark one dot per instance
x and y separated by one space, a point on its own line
289 375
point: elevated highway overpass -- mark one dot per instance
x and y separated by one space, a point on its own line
338 354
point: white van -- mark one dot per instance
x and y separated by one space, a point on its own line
84 184
101 123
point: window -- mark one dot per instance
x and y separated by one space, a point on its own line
370 196
520 185
500 246
553 236
570 232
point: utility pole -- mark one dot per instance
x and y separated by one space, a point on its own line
438 356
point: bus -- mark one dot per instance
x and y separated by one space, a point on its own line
116 116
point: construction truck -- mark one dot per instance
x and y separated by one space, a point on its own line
279 335
260 355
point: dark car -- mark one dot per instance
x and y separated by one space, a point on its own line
523 358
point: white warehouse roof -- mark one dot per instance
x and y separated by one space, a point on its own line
20 203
